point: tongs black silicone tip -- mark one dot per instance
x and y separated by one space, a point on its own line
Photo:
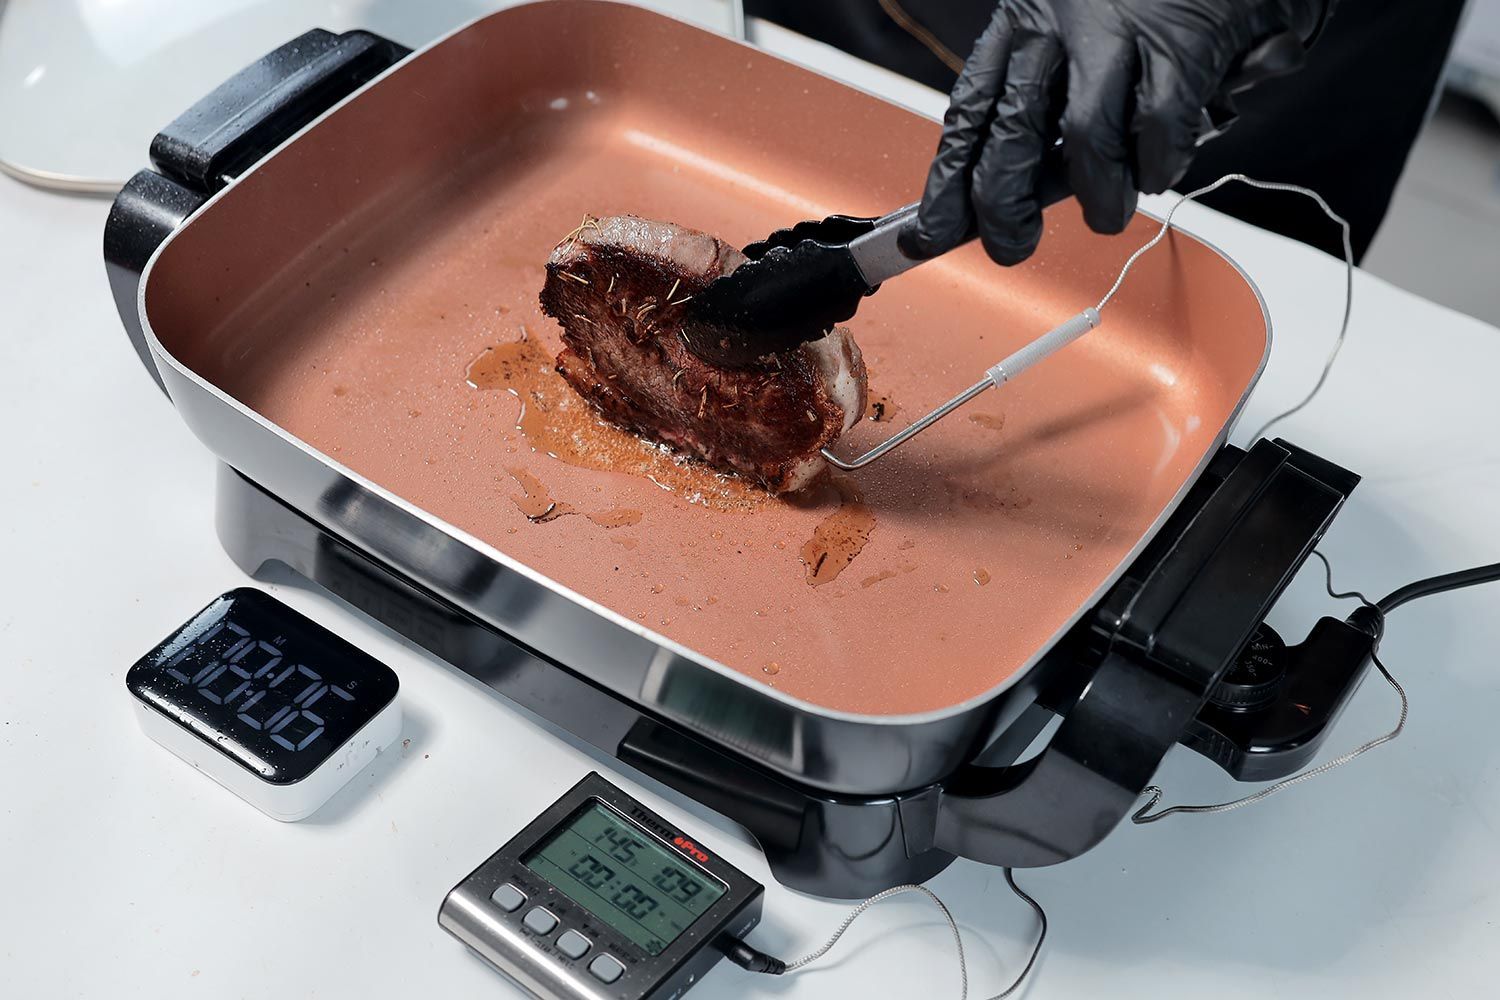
796 285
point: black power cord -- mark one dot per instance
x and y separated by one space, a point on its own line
1437 585
1370 617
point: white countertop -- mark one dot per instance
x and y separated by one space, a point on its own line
123 873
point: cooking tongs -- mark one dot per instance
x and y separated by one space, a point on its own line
800 282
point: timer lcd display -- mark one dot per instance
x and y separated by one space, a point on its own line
263 684
625 877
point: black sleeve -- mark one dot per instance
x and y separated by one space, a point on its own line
864 28
1342 126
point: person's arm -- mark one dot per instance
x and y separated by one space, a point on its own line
1122 82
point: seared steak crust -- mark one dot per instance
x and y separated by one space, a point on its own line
617 287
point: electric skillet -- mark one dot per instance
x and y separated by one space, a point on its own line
328 244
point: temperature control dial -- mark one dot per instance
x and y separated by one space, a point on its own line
1256 676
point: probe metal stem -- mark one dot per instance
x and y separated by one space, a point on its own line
1038 350
903 435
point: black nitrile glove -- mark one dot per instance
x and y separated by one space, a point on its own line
1123 82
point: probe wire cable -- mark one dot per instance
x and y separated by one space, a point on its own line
754 960
757 961
750 958
1343 223
1144 815
1421 588
1056 339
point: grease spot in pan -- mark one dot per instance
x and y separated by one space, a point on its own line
535 502
838 538
620 517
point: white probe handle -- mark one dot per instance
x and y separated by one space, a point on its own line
1044 347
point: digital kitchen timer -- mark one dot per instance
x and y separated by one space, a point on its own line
268 703
599 897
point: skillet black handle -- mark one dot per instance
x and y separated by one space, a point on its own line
1170 629
223 134
252 112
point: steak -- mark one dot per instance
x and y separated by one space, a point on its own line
617 286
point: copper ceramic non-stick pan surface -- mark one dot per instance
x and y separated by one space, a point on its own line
352 288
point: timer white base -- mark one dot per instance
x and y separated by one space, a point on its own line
285 802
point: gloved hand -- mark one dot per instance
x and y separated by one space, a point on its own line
1123 82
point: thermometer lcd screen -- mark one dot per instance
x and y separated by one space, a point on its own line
624 876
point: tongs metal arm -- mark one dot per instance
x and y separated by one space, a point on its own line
877 253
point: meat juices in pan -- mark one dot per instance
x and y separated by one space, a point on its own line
617 287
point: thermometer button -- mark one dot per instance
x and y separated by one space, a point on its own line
573 944
539 921
606 968
508 898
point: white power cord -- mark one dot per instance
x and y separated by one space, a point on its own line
50 180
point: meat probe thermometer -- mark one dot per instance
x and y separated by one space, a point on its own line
800 282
